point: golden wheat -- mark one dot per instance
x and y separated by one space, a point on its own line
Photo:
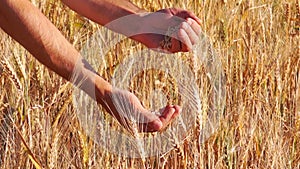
260 128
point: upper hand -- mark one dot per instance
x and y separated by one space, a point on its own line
154 27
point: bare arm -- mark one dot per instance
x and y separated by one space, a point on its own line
26 24
103 11
110 13
148 28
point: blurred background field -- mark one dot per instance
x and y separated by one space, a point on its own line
258 43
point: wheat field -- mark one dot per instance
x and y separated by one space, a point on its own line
258 43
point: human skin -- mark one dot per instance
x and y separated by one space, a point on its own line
27 25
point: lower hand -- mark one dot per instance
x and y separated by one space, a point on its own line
127 109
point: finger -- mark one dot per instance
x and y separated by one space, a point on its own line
194 17
195 26
177 111
185 40
190 32
152 126
187 14
167 115
158 122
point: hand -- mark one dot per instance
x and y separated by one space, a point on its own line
154 27
127 109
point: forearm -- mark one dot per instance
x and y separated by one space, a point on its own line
107 12
103 11
26 24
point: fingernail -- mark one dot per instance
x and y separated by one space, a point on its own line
179 108
173 110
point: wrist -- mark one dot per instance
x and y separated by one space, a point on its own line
103 89
91 83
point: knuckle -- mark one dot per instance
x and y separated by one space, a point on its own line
184 25
185 12
188 14
181 33
192 21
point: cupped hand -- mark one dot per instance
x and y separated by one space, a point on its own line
156 26
129 112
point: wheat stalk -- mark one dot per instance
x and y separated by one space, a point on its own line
262 71
298 8
12 75
20 65
287 13
53 154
